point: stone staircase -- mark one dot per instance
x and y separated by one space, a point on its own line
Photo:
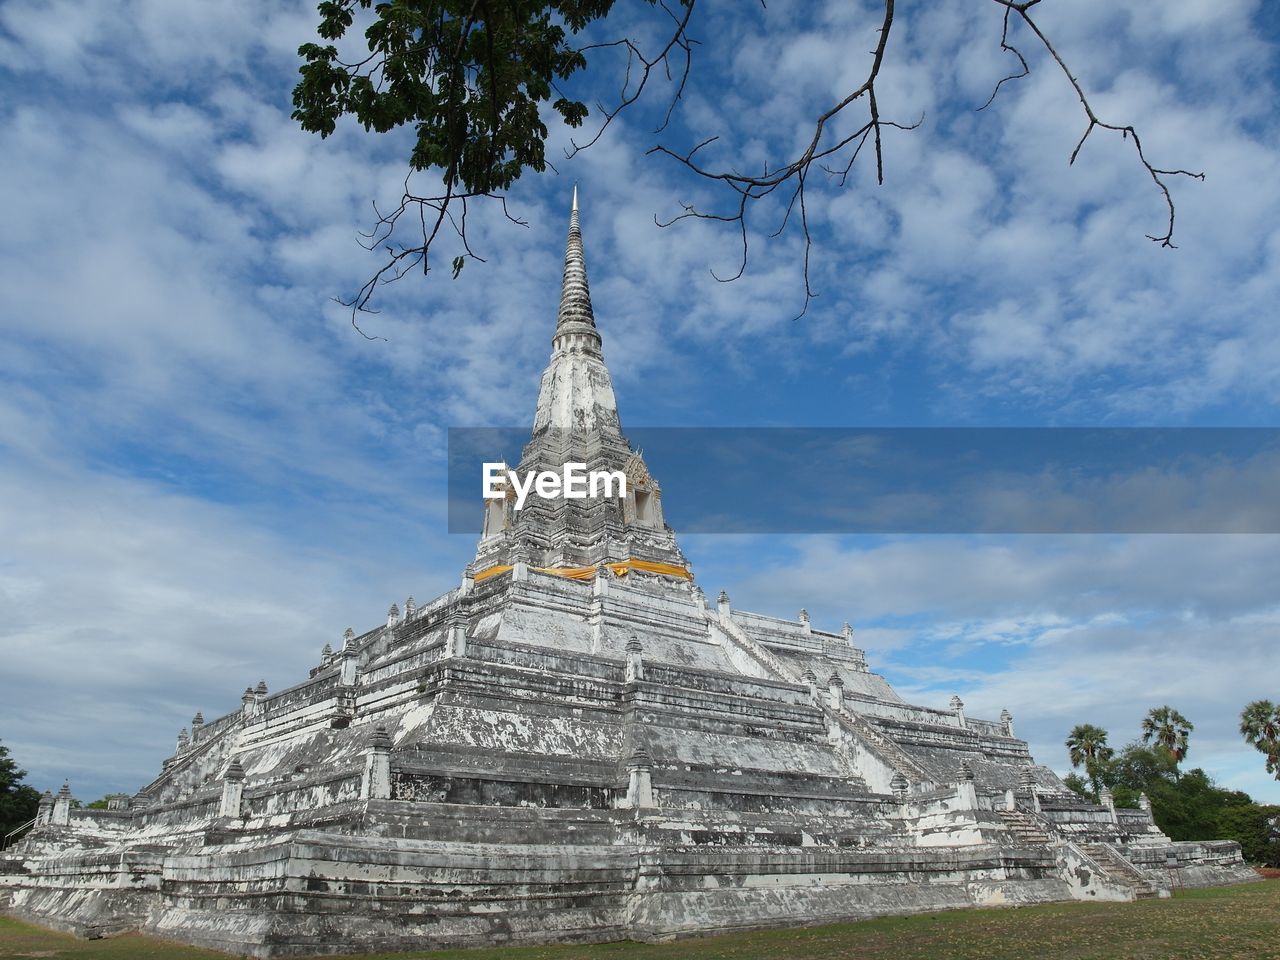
1028 828
1119 870
888 751
1024 828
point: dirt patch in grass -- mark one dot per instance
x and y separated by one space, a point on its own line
1231 923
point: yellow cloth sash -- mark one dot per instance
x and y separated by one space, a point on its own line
619 569
649 566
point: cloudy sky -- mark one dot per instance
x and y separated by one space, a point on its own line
206 474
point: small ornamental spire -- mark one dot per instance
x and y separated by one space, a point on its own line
640 759
1006 721
900 786
835 692
811 680
634 669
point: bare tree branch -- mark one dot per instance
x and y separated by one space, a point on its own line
796 170
1006 46
679 40
750 188
402 259
1126 131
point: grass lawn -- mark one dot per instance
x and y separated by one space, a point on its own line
1232 923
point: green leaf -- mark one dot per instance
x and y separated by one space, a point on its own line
472 80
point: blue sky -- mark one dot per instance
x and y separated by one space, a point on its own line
206 475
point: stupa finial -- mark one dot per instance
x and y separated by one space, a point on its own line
576 317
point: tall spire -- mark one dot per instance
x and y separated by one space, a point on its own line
576 316
576 393
576 421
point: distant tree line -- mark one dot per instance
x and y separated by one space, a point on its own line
1186 805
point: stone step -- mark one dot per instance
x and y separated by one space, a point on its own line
1023 828
1120 870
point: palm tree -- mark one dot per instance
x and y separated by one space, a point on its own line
1168 728
1087 747
1260 727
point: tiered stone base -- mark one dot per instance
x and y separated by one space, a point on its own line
401 876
